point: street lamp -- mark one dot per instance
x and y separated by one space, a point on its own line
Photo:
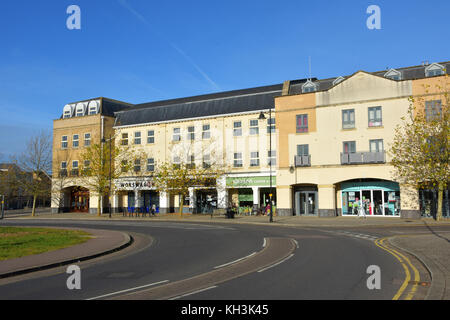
109 198
263 117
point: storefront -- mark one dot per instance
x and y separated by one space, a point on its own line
251 194
206 201
305 200
428 199
378 198
79 199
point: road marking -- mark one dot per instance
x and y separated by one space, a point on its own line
264 243
128 290
404 261
191 293
296 243
233 262
274 265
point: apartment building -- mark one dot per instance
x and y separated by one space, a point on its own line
319 143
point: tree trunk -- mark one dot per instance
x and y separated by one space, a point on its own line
33 211
99 213
180 203
440 200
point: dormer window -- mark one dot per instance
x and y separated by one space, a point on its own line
337 80
80 110
434 69
393 74
93 107
309 86
67 111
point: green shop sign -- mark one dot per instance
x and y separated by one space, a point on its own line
250 181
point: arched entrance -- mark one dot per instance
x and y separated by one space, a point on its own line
79 199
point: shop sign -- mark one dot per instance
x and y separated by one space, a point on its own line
250 181
368 185
136 184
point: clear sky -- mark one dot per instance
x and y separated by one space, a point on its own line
143 50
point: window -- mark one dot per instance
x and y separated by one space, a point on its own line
254 159
308 86
206 134
86 166
176 134
191 133
254 129
237 128
337 80
63 171
433 110
75 168
302 123
348 119
434 69
206 161
137 137
64 165
80 111
190 162
271 125
150 164
393 74
67 113
271 158
75 141
376 145
87 139
375 119
150 136
93 107
124 165
64 142
237 160
303 149
124 139
176 161
137 165
349 147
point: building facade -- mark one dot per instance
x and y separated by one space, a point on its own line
318 147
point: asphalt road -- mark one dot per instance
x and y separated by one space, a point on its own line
317 264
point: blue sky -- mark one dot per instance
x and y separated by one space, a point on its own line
142 50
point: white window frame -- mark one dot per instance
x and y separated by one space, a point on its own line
87 139
176 136
237 160
77 140
254 127
254 159
150 136
206 133
64 143
237 128
137 137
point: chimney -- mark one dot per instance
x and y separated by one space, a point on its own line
286 85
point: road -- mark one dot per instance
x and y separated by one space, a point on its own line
196 261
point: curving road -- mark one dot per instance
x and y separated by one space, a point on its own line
178 260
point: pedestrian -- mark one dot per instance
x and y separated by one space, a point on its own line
153 209
361 210
267 210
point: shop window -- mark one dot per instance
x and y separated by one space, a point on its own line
137 137
348 119
302 123
375 118
254 129
75 141
150 136
237 128
237 160
254 159
206 134
64 142
433 110
124 141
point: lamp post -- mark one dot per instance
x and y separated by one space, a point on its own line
263 117
109 197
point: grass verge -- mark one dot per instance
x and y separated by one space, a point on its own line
18 242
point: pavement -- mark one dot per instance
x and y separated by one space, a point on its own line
432 247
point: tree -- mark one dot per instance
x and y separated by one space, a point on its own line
420 148
35 166
102 164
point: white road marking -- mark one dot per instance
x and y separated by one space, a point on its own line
274 265
264 243
227 264
296 243
191 293
128 290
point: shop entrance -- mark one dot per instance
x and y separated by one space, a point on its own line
79 200
206 201
305 201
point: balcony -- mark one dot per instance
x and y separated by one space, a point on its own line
363 157
302 161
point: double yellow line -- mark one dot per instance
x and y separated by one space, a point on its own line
407 265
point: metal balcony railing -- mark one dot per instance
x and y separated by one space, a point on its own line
363 157
302 161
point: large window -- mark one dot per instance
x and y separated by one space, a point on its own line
375 118
64 142
150 136
348 119
237 160
75 168
302 123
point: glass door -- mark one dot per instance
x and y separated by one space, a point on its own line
307 202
